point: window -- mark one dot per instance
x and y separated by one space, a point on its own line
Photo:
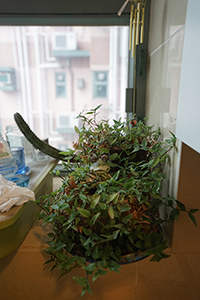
86 64
60 85
100 84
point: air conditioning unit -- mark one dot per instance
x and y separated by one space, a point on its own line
64 41
67 120
7 79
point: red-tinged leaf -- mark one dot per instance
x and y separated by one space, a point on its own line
111 212
76 129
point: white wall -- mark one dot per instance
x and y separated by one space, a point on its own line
188 116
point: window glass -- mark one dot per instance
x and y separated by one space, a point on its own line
60 85
100 84
50 74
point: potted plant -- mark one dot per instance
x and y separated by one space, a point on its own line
107 210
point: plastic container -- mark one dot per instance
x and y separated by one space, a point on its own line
20 179
15 138
19 156
7 162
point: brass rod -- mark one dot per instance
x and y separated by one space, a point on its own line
142 27
131 27
134 32
138 24
134 82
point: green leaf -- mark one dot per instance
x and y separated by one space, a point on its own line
96 108
124 208
84 290
114 155
61 256
114 197
95 253
55 206
98 273
84 212
95 276
174 214
112 164
115 234
51 234
138 245
59 246
67 264
180 205
165 255
80 280
86 231
192 211
111 145
94 218
57 172
156 258
111 212
89 289
80 260
89 113
105 150
88 241
115 177
127 218
156 161
144 143
192 218
164 157
73 227
114 266
102 272
76 129
133 172
90 268
70 261
95 202
83 239
136 145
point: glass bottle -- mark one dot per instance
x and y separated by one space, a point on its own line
15 138
7 162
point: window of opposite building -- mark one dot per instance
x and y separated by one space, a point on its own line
60 81
100 84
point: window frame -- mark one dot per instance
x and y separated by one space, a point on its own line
68 13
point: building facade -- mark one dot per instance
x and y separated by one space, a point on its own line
49 74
